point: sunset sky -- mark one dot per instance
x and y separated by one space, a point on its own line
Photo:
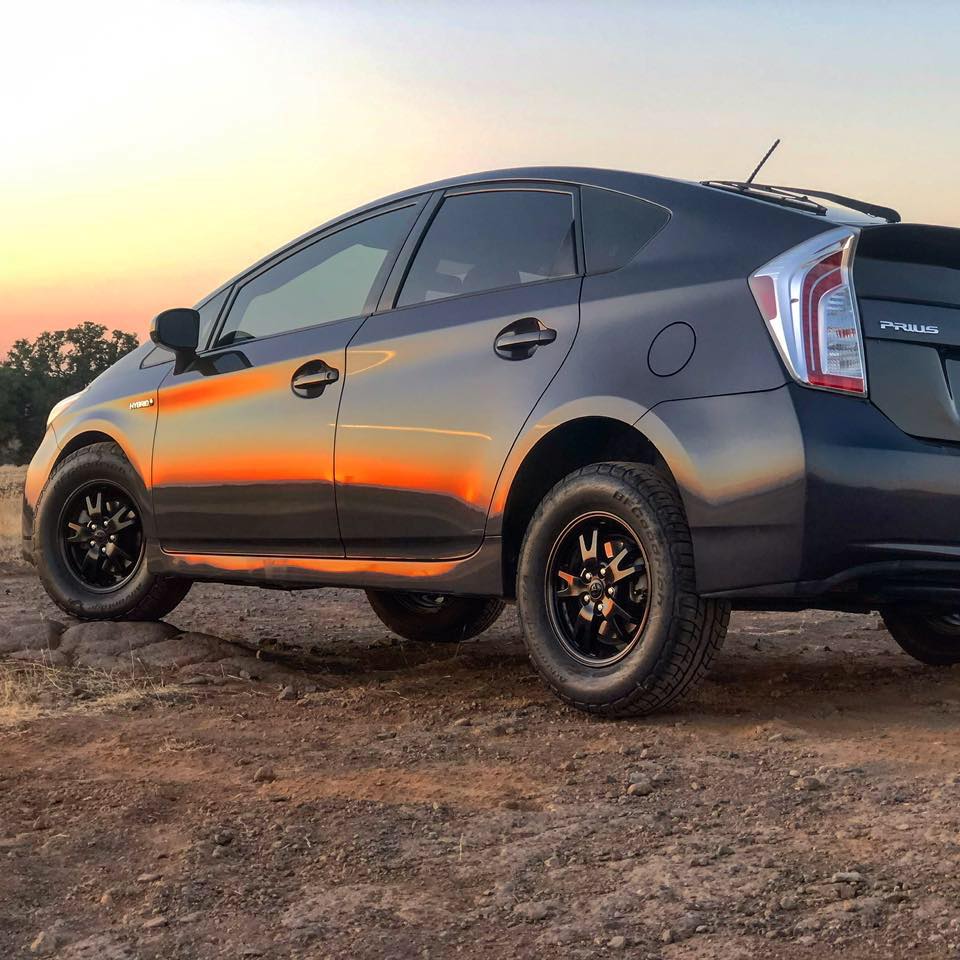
150 150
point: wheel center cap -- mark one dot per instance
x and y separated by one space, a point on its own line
100 535
596 589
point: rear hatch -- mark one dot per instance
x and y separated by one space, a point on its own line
907 278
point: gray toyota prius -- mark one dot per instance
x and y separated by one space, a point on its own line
623 402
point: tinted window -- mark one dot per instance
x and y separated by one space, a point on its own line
616 226
329 280
500 238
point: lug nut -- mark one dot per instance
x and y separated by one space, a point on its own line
93 543
113 539
603 571
610 590
586 599
599 608
103 549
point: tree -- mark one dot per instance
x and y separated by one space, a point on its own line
39 373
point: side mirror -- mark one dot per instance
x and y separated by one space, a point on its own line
178 330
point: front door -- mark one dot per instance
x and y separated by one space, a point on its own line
243 455
439 386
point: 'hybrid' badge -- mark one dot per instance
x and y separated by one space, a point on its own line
140 404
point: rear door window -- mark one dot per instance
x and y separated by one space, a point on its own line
492 239
616 227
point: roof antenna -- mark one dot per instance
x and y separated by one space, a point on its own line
766 157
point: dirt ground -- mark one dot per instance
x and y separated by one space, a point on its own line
409 801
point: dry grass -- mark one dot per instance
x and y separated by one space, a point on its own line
11 490
29 690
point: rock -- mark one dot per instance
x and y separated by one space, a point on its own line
32 635
463 722
847 876
264 774
287 693
100 946
617 943
532 910
109 645
154 923
106 899
809 784
186 649
642 787
222 838
687 926
789 902
46 943
149 877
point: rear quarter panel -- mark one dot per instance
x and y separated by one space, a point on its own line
694 272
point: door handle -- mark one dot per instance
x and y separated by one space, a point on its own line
521 338
313 378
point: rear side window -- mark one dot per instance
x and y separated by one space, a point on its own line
616 227
326 281
494 238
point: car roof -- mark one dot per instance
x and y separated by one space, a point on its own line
674 194
622 180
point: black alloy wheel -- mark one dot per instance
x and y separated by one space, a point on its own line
607 595
930 638
596 589
422 602
92 540
101 536
432 617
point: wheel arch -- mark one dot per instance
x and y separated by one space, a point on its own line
567 447
91 434
83 439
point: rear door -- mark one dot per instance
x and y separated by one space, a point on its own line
442 378
243 455
907 278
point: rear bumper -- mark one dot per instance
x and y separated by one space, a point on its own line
815 499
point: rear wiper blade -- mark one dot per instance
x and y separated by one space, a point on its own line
761 192
803 194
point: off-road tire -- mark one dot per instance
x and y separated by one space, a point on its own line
682 632
932 640
454 620
145 596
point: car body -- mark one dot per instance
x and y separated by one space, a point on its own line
405 445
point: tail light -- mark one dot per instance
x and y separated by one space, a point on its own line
807 299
